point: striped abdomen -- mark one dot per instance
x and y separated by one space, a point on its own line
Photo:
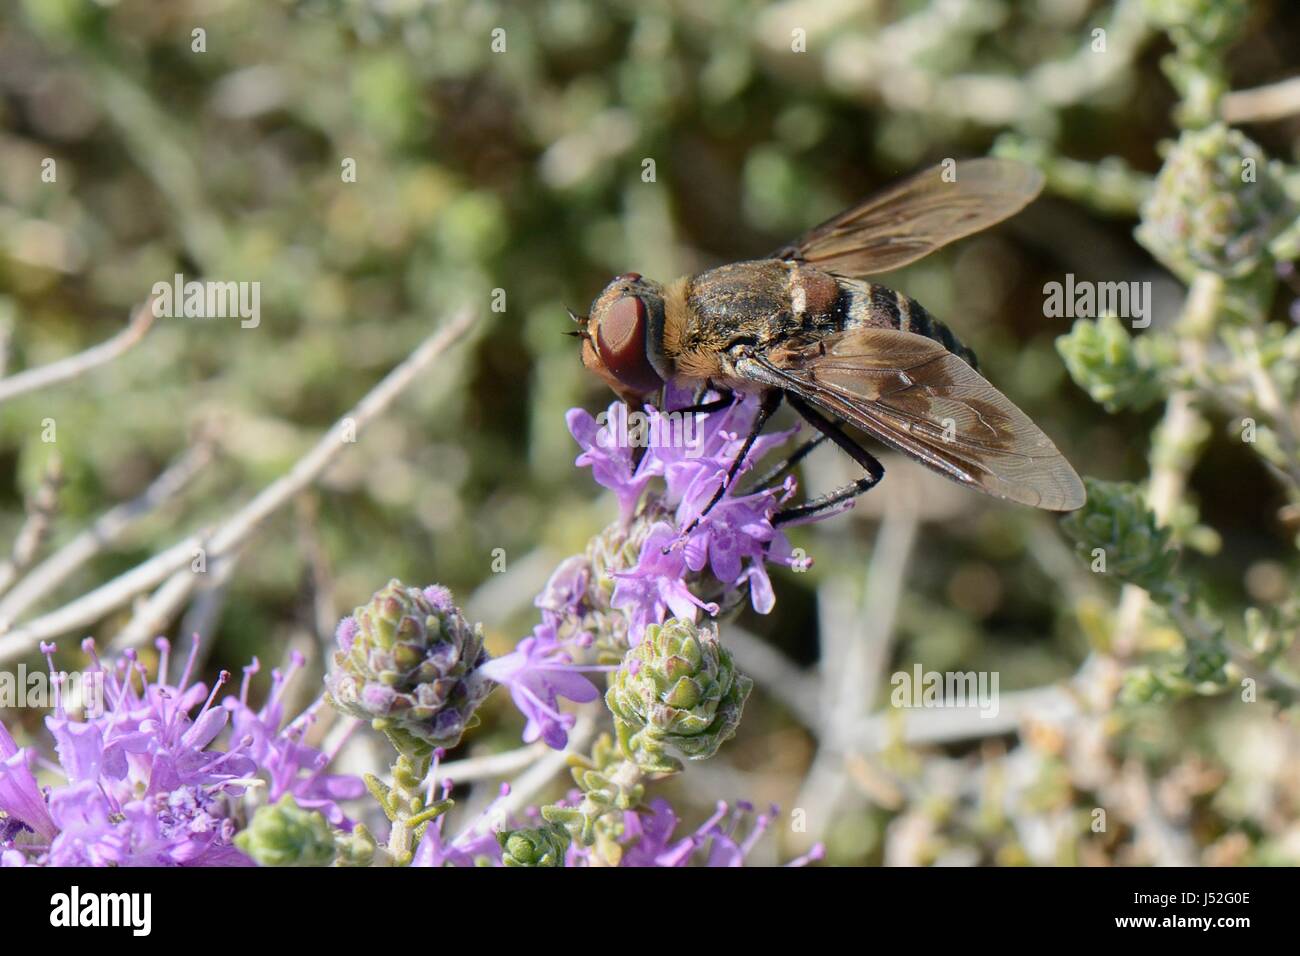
878 306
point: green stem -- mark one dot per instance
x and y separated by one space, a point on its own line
405 806
1174 442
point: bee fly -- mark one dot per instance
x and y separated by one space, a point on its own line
805 326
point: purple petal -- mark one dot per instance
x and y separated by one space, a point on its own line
19 795
206 728
571 685
80 747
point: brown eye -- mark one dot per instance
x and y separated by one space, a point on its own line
620 339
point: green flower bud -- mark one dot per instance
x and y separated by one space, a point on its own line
284 834
1116 369
408 662
1116 533
678 689
1217 203
539 846
356 848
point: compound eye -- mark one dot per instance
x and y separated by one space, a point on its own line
620 340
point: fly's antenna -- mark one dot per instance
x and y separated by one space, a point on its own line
581 332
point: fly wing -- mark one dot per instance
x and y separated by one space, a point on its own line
916 216
912 393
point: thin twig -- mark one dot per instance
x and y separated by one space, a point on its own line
342 434
205 610
503 595
493 765
1170 465
856 634
152 615
81 363
940 725
536 778
32 535
885 581
107 530
1272 102
1267 396
91 607
237 529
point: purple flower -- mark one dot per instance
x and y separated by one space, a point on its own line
647 832
538 672
733 542
20 798
610 457
292 766
145 786
726 550
656 585
648 840
474 845
566 587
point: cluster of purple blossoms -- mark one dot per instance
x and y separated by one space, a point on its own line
649 837
143 784
733 542
724 839
671 560
538 672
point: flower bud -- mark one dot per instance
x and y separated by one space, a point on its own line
284 834
408 662
539 846
1116 533
678 689
1116 369
1217 203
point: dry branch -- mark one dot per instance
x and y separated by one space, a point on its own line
76 365
173 564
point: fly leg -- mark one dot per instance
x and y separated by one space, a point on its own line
700 407
770 479
767 407
875 470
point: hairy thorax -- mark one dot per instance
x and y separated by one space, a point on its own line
717 317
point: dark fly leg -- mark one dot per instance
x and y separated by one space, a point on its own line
770 402
778 472
700 407
829 429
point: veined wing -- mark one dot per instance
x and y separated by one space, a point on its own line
912 393
916 216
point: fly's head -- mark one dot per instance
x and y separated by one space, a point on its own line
623 335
